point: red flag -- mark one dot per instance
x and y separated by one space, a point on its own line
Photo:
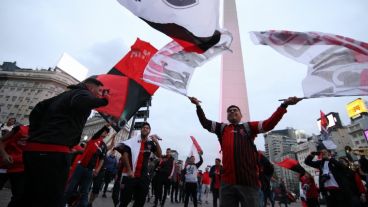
135 61
118 87
291 164
199 149
128 92
324 122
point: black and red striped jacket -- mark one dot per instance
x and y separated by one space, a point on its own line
240 157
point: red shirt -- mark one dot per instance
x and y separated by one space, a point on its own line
206 178
95 150
14 146
240 156
217 178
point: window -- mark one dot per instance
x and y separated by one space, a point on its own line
14 98
16 106
20 99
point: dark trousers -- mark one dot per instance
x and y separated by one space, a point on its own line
3 178
17 189
46 174
232 195
190 190
136 188
268 194
312 202
108 178
337 198
163 186
174 190
215 196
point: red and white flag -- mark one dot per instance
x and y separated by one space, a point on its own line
172 67
337 65
192 23
195 150
325 134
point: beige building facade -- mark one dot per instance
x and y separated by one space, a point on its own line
21 89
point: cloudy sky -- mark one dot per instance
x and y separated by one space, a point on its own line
99 33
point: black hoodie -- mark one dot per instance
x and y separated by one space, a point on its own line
63 118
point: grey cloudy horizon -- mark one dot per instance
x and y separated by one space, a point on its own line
98 34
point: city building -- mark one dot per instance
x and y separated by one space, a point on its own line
22 88
290 177
96 122
339 134
302 150
358 129
279 142
278 146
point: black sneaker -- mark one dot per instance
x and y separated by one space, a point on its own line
104 195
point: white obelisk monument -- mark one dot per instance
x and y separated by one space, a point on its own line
233 86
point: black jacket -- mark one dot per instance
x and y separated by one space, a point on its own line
337 169
213 175
61 122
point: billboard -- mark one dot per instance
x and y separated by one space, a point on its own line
366 134
333 121
355 108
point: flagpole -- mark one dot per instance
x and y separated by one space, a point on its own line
299 98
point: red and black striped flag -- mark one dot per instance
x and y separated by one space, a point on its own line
127 90
291 164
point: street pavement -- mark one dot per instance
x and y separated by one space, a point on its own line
5 195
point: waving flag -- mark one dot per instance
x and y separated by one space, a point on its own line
191 23
195 150
128 92
291 164
172 67
337 65
325 134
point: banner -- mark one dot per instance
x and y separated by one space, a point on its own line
128 92
337 65
172 67
191 23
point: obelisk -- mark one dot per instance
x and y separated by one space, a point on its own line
233 85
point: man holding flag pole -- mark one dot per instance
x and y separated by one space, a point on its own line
240 178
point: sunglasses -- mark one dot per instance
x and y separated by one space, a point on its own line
232 110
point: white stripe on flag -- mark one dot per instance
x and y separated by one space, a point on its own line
172 68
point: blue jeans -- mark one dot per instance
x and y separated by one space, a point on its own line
83 177
199 190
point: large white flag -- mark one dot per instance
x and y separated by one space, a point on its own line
337 65
172 67
192 23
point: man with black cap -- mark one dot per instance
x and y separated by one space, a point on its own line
56 126
240 182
